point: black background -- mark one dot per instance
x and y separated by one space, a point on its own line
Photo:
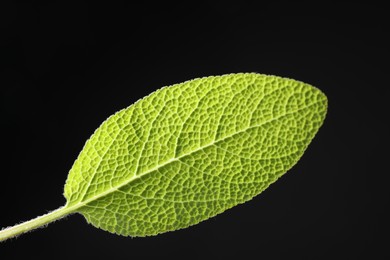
66 68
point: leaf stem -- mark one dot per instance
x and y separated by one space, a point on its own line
34 223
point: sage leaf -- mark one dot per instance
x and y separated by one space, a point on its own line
188 152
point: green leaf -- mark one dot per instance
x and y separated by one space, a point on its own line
188 152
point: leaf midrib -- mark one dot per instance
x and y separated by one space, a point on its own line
80 204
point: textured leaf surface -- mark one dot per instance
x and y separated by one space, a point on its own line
192 150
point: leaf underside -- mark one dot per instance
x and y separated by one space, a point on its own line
190 151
